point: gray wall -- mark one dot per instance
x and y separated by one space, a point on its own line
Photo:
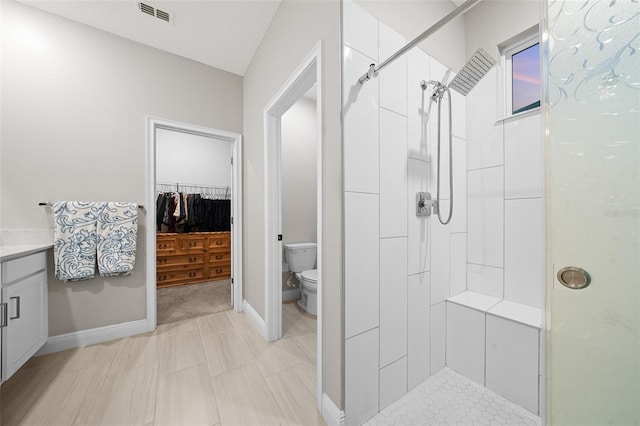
296 28
299 171
74 102
412 18
514 18
188 158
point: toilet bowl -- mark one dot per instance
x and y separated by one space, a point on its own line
308 290
301 258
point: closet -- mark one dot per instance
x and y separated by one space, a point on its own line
193 243
193 224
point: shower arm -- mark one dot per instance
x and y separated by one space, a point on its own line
374 70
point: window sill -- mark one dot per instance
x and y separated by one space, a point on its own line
532 111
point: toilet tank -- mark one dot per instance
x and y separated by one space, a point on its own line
300 256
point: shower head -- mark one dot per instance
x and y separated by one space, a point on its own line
472 72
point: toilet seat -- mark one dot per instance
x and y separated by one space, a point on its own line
310 278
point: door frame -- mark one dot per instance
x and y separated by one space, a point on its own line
308 73
235 139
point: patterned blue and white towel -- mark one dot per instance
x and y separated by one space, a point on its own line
75 239
117 236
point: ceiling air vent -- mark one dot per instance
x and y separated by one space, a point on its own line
161 14
148 9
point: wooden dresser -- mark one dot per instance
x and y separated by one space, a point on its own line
192 258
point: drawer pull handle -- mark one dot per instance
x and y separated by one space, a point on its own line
17 299
192 274
162 278
218 271
192 259
3 315
219 256
218 243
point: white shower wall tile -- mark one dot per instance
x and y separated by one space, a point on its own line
393 300
438 71
485 221
512 361
485 279
418 118
393 81
393 382
438 336
482 111
485 150
418 227
361 377
360 126
458 261
362 255
459 115
523 157
465 341
459 218
360 30
440 240
484 135
524 251
419 328
393 174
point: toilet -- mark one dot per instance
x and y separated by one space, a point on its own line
301 258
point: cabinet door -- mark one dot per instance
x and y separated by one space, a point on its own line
26 329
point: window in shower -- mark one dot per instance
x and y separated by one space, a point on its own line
522 74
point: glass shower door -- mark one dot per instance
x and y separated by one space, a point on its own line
592 130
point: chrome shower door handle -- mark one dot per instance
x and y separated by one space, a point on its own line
574 278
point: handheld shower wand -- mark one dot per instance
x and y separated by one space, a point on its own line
476 67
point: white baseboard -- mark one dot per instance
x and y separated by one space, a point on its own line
76 339
292 294
257 321
331 413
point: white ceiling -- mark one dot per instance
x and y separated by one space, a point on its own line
222 34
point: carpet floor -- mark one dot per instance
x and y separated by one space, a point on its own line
193 300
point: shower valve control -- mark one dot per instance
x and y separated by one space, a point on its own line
424 204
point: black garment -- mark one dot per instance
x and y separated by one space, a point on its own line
216 215
161 203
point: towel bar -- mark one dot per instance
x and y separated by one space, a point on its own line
49 204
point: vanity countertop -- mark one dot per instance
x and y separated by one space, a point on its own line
11 252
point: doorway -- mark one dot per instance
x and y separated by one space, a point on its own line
306 76
197 255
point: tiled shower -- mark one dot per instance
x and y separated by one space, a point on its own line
420 295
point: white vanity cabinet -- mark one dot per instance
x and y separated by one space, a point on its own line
23 310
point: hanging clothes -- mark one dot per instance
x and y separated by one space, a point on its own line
181 212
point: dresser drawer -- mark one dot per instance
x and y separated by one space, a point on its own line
166 244
220 256
220 241
168 262
219 272
192 243
168 277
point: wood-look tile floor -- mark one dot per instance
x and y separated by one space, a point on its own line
211 370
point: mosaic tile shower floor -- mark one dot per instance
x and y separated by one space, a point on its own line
447 398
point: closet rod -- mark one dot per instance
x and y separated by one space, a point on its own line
50 204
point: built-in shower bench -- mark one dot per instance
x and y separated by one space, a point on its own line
524 314
496 343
